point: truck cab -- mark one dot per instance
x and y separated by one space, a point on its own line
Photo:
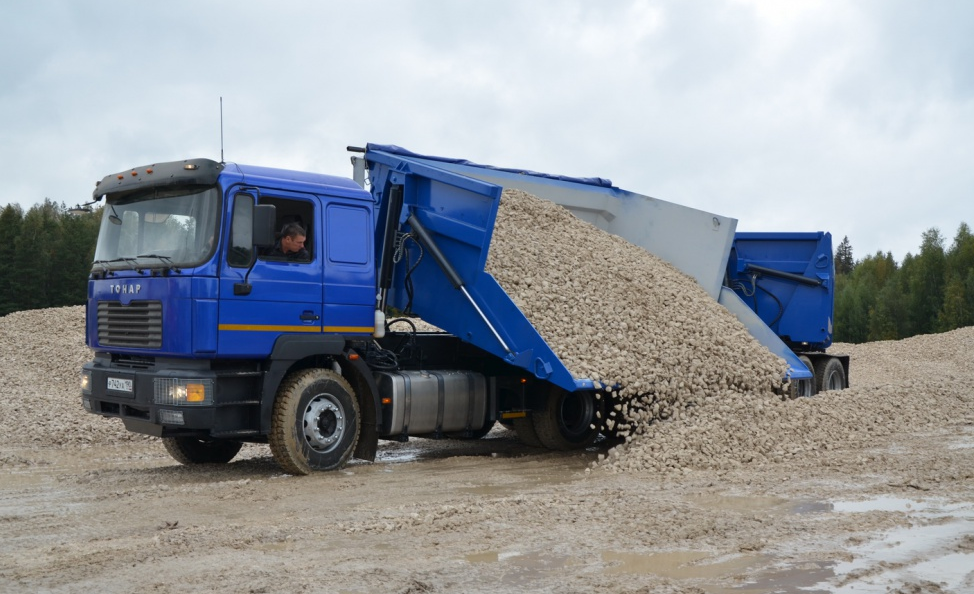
187 308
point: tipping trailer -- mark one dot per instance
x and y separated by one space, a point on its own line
779 285
204 338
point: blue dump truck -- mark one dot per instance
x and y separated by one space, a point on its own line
206 336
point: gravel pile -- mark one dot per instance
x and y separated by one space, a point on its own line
41 353
614 313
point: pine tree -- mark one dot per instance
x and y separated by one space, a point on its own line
11 219
843 257
926 283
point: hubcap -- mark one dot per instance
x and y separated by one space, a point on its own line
324 422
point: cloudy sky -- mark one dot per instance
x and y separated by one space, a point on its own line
851 117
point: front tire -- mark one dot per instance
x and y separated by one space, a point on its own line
191 450
316 422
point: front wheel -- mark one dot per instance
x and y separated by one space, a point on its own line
568 420
316 422
191 450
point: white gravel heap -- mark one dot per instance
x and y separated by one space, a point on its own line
614 313
41 354
617 314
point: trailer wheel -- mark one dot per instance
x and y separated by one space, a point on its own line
566 423
191 450
316 422
806 387
829 375
524 427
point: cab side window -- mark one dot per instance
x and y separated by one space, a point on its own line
296 233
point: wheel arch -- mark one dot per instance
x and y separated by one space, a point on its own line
295 352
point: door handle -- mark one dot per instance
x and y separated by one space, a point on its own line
309 316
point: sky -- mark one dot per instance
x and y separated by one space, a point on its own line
852 117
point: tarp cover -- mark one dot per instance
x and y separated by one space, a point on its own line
397 150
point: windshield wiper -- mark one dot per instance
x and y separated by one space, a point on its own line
165 260
104 264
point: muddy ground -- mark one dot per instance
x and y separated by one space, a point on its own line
85 507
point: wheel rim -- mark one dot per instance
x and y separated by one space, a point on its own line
834 381
324 423
575 414
804 388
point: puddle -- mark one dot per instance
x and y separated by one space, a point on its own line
518 569
736 502
742 503
488 557
680 564
882 504
812 507
932 549
801 578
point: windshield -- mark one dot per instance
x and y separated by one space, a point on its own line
158 229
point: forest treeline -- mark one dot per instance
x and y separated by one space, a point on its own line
46 254
878 299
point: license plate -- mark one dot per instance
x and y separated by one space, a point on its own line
119 384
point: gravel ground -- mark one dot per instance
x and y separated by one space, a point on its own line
866 490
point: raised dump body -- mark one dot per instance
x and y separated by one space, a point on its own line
698 243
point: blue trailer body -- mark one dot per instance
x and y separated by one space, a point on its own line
788 279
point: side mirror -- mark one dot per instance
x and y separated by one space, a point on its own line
265 218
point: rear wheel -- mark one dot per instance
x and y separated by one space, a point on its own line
524 428
191 450
568 420
830 375
805 387
316 422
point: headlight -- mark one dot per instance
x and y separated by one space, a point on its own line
183 392
86 382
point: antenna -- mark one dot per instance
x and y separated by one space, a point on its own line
221 129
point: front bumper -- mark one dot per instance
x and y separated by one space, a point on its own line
130 392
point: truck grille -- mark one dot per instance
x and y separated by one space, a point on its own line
137 325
